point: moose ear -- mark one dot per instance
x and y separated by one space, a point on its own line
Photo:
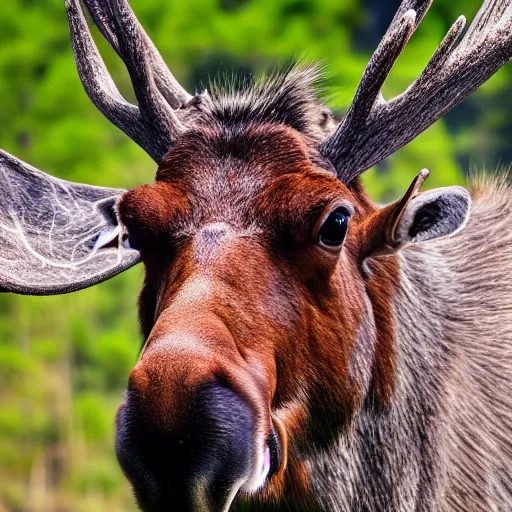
56 236
434 214
415 218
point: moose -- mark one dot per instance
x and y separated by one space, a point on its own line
304 348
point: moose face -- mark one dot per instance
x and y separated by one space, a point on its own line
237 261
268 303
259 318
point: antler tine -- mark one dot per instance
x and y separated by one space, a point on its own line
377 71
95 78
153 124
133 50
489 14
373 128
368 94
170 88
420 7
403 25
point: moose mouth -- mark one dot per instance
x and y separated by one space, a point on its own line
272 459
275 453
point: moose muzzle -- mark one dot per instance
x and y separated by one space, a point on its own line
194 429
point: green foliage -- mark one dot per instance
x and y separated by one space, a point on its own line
64 361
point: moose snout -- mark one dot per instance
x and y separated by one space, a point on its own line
188 438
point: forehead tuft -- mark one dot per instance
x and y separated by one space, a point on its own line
288 99
242 141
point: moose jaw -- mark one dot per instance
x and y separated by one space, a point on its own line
304 348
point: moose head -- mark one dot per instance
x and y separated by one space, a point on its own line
267 305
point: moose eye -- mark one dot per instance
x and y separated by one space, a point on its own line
333 231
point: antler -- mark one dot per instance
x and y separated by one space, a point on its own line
152 124
374 128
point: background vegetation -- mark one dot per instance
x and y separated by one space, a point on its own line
64 360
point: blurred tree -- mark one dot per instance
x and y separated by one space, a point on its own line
64 360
